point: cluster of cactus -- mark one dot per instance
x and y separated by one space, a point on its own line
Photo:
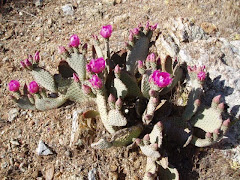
138 83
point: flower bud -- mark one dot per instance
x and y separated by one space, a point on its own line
75 77
28 63
23 64
86 89
119 103
135 31
117 69
61 49
111 99
37 57
201 76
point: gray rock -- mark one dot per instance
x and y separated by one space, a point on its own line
42 149
12 114
92 174
38 3
68 9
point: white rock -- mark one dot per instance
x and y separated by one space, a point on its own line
42 149
12 114
68 9
92 174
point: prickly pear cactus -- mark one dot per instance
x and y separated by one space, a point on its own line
140 83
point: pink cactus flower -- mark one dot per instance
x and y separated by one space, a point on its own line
161 79
33 87
74 41
14 86
61 49
201 76
96 65
106 31
96 82
37 56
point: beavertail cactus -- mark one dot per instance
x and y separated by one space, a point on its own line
132 92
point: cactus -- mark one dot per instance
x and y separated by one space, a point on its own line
143 83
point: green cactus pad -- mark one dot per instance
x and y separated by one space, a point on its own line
24 103
167 65
116 118
44 78
145 87
170 173
125 136
121 88
74 93
62 84
130 82
78 63
207 119
138 52
49 103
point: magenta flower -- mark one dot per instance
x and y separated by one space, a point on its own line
37 56
161 79
96 82
201 75
33 87
13 85
96 65
74 41
106 31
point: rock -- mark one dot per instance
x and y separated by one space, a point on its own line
43 150
209 27
49 173
12 114
110 2
68 9
121 18
92 174
75 126
38 3
5 59
112 176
